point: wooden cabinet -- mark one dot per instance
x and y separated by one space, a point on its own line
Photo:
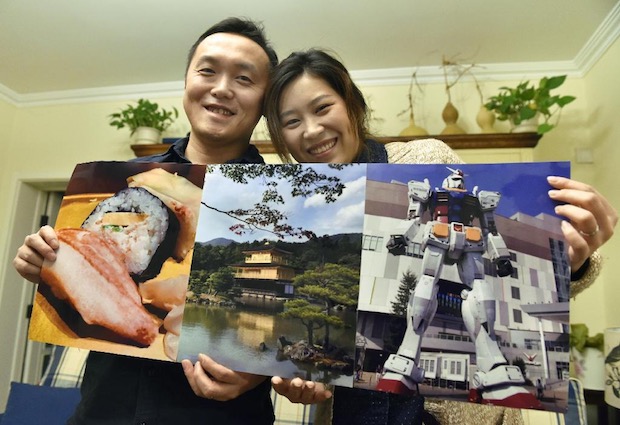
473 148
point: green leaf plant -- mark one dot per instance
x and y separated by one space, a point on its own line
524 101
580 340
144 114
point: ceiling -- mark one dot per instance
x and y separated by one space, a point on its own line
68 45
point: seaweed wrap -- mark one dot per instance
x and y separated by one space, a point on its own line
141 225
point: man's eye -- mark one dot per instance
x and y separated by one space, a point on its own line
206 71
244 78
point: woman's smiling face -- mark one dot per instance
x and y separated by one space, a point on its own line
315 123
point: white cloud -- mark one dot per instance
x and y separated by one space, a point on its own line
349 219
352 190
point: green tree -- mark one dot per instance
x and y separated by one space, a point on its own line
310 315
222 281
331 285
198 282
407 284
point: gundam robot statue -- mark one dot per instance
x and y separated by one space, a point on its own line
451 237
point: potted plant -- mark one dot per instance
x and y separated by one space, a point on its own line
145 119
526 102
586 352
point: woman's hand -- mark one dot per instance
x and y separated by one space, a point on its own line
299 391
211 380
591 218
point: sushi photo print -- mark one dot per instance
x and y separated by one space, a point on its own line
126 232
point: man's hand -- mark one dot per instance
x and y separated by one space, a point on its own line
299 391
211 380
591 218
37 247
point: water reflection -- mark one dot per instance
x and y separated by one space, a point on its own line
233 338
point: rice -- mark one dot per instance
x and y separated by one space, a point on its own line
140 225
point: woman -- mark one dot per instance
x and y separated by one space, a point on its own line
315 113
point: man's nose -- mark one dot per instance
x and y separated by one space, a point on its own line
222 87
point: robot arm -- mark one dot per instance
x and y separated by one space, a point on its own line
418 194
496 247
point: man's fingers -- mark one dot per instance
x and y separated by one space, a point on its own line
216 370
188 369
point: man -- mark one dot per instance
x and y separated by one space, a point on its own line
226 76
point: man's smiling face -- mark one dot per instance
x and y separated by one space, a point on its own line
224 88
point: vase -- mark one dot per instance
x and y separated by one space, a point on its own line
589 368
450 116
146 136
526 126
485 120
612 367
413 129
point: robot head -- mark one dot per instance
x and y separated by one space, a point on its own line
455 180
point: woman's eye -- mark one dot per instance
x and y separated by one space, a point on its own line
244 78
291 123
323 107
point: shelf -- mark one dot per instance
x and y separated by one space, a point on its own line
455 141
477 141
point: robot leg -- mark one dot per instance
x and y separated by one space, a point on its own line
495 382
401 372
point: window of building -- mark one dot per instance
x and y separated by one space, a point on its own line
517 316
561 369
372 243
516 293
428 365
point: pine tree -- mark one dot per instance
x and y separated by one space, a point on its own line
327 286
407 284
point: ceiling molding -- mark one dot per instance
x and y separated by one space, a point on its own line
8 95
112 93
605 35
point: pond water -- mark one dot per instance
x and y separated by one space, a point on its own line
232 336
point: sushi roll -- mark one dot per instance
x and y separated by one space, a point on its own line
142 227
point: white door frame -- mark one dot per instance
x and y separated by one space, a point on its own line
20 359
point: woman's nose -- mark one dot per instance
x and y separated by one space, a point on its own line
313 129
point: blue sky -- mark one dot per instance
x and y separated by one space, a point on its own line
343 216
523 186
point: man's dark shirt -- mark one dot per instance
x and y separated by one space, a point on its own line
119 390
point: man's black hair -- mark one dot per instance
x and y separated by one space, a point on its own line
244 27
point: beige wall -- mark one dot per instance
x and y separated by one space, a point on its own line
44 143
603 91
7 118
